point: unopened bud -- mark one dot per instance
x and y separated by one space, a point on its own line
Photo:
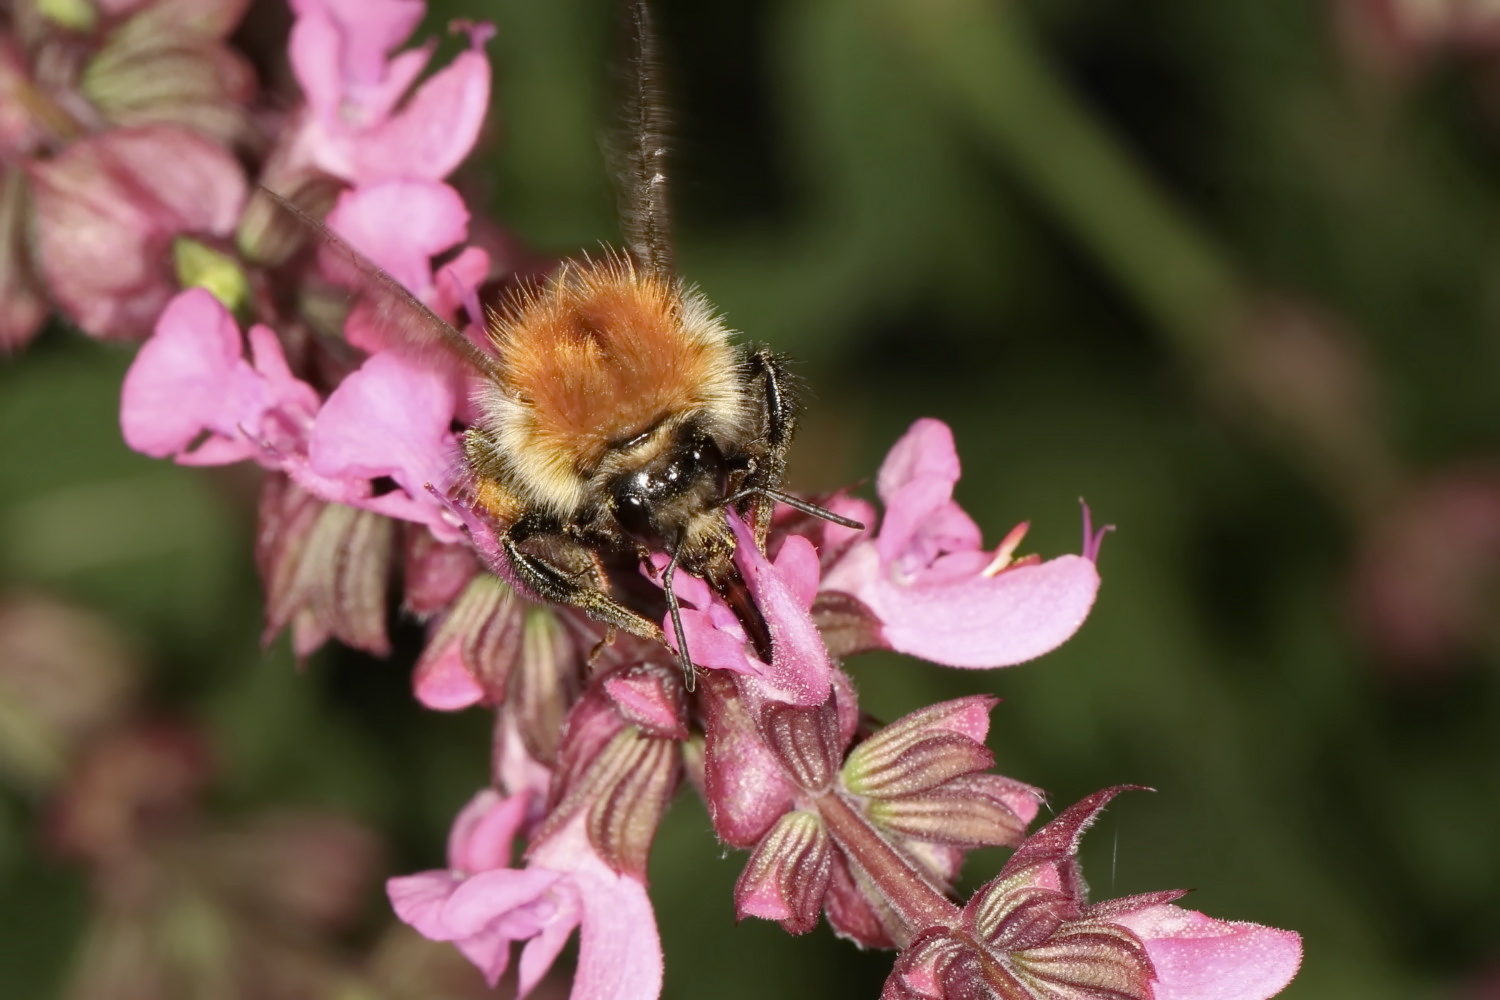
788 874
199 266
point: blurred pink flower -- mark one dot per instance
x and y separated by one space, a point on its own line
482 905
107 211
340 52
1424 583
936 593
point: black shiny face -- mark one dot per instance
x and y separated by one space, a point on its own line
653 502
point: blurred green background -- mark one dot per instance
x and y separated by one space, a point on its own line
1227 270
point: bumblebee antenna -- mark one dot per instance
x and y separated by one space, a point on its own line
689 672
796 503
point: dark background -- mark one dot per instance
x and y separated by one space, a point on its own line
1226 270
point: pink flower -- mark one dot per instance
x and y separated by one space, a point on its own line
482 905
936 593
191 394
108 208
1032 933
355 129
800 671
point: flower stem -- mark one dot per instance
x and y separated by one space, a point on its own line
981 58
916 902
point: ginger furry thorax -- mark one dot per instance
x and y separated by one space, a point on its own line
600 360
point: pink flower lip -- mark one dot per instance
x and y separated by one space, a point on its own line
937 594
800 671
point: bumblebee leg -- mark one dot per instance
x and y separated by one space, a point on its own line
554 583
767 375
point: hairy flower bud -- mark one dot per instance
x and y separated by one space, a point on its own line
805 741
433 573
161 66
619 778
473 648
545 680
325 568
746 789
787 875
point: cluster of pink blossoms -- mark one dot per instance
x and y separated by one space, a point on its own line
144 224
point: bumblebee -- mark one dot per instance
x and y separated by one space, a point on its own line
616 416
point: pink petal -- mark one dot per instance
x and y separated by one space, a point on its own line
183 377
367 31
542 950
800 672
619 950
484 831
489 950
983 621
619 953
390 418
435 130
314 52
418 900
482 899
443 684
400 225
1200 958
797 565
925 451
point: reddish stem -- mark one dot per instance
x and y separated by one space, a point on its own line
911 896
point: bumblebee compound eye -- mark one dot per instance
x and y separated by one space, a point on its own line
633 511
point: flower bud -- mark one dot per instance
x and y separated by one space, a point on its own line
922 750
787 876
198 266
472 650
162 67
545 680
970 811
804 740
745 789
325 568
434 573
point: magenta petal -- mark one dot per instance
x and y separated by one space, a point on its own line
800 672
1199 958
987 621
619 950
436 128
925 451
542 950
419 899
389 418
401 225
484 898
444 684
184 377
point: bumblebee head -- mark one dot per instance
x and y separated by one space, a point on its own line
657 501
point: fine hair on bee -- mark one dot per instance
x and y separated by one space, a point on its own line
617 418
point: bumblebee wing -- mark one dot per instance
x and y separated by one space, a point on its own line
403 317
